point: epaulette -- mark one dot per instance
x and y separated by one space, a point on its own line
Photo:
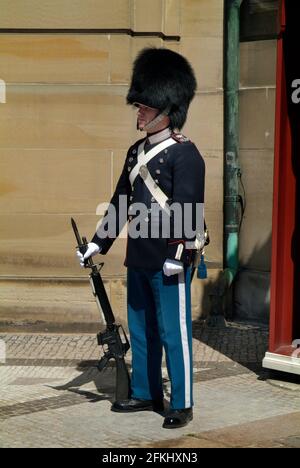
179 138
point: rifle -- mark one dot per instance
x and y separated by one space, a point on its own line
113 339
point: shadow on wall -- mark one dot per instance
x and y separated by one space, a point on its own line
233 334
248 297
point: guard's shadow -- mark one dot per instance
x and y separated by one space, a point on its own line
100 385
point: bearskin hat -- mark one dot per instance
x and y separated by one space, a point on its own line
163 79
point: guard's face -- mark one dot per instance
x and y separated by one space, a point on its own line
145 115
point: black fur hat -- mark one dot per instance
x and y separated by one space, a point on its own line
163 79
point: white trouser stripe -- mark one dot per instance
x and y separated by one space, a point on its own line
184 339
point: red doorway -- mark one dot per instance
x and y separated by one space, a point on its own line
283 353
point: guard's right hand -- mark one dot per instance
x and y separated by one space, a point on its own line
92 249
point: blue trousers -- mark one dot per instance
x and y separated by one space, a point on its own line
159 317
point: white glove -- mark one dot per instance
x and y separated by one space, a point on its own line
172 267
92 249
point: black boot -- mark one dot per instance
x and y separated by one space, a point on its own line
178 418
133 405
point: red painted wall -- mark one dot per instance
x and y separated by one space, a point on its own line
285 277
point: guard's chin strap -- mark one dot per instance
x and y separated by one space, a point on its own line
156 120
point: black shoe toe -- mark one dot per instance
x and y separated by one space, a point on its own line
178 418
133 405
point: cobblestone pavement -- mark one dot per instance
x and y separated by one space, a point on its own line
53 396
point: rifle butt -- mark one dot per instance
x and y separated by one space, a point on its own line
123 389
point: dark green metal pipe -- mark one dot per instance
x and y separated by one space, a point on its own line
231 136
222 290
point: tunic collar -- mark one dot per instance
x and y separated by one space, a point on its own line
159 136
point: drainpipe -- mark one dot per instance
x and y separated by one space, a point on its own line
223 292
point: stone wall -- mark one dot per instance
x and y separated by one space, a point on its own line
64 132
257 119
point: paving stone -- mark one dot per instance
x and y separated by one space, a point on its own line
52 395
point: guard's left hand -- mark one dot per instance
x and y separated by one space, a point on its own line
172 267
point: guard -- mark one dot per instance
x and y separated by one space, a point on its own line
163 176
